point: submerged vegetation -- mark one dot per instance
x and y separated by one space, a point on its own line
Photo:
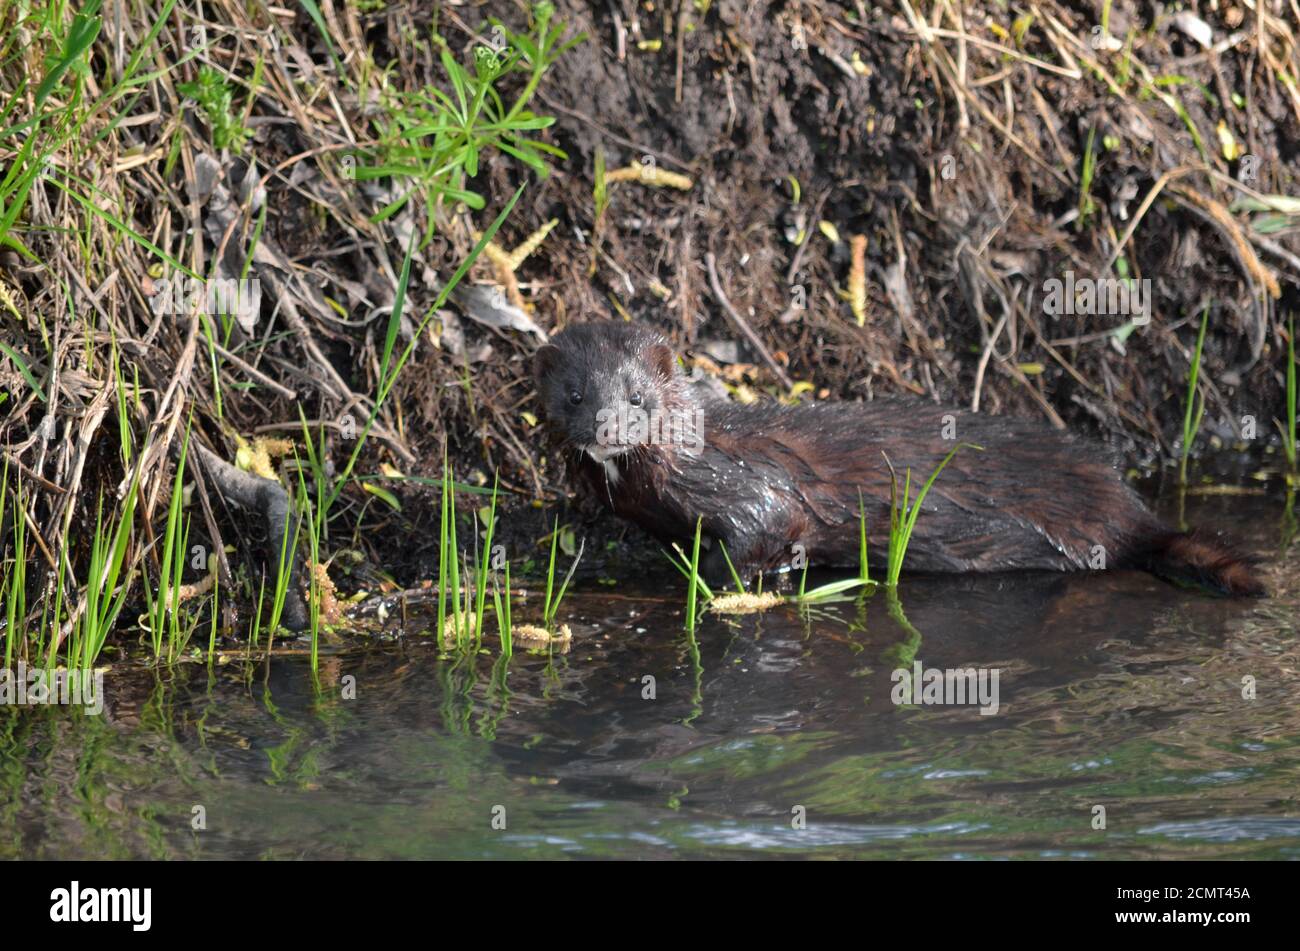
903 513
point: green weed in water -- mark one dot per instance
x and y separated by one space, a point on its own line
103 598
903 514
163 612
502 605
693 588
1195 408
484 563
552 607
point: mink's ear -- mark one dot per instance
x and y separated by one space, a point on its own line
662 360
544 361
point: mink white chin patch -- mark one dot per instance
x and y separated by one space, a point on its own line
605 457
604 453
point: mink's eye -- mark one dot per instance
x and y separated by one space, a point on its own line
575 397
635 399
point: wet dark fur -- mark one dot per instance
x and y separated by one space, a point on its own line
771 476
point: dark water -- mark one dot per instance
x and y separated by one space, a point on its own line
1115 690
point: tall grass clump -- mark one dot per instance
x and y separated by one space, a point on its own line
103 596
552 605
163 611
693 588
56 109
904 513
449 580
1194 410
13 574
483 562
284 566
502 605
698 591
313 514
864 567
463 583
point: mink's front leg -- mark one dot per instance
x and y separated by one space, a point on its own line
750 553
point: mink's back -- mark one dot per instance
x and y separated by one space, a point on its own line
1029 497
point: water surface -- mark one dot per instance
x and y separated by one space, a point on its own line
1116 690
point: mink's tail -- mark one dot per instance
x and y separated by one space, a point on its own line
1195 559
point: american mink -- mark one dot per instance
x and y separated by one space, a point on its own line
767 477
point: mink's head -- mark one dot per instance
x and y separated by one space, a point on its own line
608 388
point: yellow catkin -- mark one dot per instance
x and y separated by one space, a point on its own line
202 586
858 278
331 612
499 258
651 175
7 298
744 603
505 263
529 636
497 255
531 244
255 457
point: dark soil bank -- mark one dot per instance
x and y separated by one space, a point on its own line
969 202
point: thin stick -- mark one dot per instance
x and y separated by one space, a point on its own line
748 333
